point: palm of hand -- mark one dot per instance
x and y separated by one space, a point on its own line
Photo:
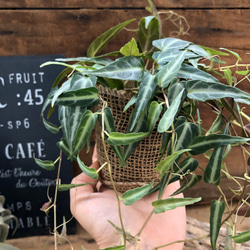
93 210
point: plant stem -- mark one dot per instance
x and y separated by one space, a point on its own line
180 241
111 178
55 199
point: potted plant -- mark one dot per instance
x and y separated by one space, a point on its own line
150 90
5 217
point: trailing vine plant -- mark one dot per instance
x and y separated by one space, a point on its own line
168 77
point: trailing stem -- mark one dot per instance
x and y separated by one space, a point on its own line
111 178
55 199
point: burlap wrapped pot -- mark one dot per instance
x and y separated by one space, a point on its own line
140 167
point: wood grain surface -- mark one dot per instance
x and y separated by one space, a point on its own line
124 4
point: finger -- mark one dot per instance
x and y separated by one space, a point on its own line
81 193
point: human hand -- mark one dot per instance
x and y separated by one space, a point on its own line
93 210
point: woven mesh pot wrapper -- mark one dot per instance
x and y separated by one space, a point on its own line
140 167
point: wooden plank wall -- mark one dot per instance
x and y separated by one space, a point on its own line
36 27
29 27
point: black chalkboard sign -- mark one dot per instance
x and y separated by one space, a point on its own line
23 89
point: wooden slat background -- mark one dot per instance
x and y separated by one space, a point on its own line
56 27
35 27
124 4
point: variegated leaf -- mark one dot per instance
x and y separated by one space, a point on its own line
82 97
203 143
203 91
154 112
101 41
109 126
86 125
147 33
170 43
189 72
212 172
146 92
117 138
160 206
170 114
131 196
165 164
170 70
216 211
140 126
124 68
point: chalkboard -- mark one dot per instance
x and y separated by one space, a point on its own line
24 86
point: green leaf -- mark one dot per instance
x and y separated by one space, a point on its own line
48 99
131 102
163 57
70 118
62 144
145 94
50 126
82 97
111 83
217 125
185 133
170 70
197 49
109 127
140 126
48 165
131 196
153 115
203 143
233 53
124 68
147 33
214 52
66 187
165 140
170 114
203 91
76 82
189 182
84 130
212 172
160 206
174 91
228 75
170 43
80 81
90 60
242 72
63 88
100 42
189 72
165 164
91 172
216 211
117 138
242 237
130 49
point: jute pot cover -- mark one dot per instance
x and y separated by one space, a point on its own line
140 167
